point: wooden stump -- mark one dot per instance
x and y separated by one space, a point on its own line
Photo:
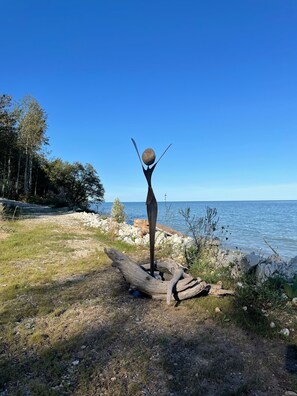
180 287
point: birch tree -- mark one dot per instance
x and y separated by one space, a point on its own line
32 125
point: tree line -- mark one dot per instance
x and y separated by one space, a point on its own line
26 173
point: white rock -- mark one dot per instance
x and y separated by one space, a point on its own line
294 301
75 362
272 325
285 332
217 310
244 308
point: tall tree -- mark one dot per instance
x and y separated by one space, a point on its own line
32 125
7 142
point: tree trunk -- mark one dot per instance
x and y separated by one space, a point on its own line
26 178
9 175
30 173
181 286
3 177
18 176
36 182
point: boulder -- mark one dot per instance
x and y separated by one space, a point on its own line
275 266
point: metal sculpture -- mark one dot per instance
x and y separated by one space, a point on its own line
148 158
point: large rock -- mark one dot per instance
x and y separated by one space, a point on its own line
275 266
234 260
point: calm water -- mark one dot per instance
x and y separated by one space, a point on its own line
249 222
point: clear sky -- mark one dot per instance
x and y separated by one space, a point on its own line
217 79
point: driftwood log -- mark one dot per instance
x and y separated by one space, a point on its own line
179 286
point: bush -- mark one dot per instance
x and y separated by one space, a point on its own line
117 211
258 296
204 231
291 288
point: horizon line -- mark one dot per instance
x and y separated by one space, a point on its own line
226 200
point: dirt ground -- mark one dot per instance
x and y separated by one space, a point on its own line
108 342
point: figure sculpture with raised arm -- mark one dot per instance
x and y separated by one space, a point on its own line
149 158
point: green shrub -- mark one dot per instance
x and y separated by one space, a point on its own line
117 211
291 288
259 296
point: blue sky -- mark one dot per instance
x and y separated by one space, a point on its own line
217 79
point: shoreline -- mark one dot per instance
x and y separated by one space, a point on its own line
241 262
248 223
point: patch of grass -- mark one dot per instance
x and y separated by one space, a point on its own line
39 256
256 305
253 308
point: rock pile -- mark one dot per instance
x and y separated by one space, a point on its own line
264 267
137 234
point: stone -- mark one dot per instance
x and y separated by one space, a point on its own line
217 310
292 268
285 332
275 266
234 260
294 301
272 325
290 393
148 156
252 260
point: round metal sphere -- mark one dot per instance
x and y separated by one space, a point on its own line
148 156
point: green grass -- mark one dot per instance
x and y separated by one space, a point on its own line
43 283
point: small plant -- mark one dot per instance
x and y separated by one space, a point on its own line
9 211
201 257
259 296
201 227
169 214
291 288
203 231
117 211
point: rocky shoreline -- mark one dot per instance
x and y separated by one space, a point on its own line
238 262
174 242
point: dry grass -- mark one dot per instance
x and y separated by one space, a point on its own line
69 326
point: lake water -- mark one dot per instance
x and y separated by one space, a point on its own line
249 222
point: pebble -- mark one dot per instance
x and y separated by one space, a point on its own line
290 393
285 332
244 308
217 310
75 362
112 379
272 325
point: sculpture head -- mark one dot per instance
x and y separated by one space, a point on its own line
148 156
